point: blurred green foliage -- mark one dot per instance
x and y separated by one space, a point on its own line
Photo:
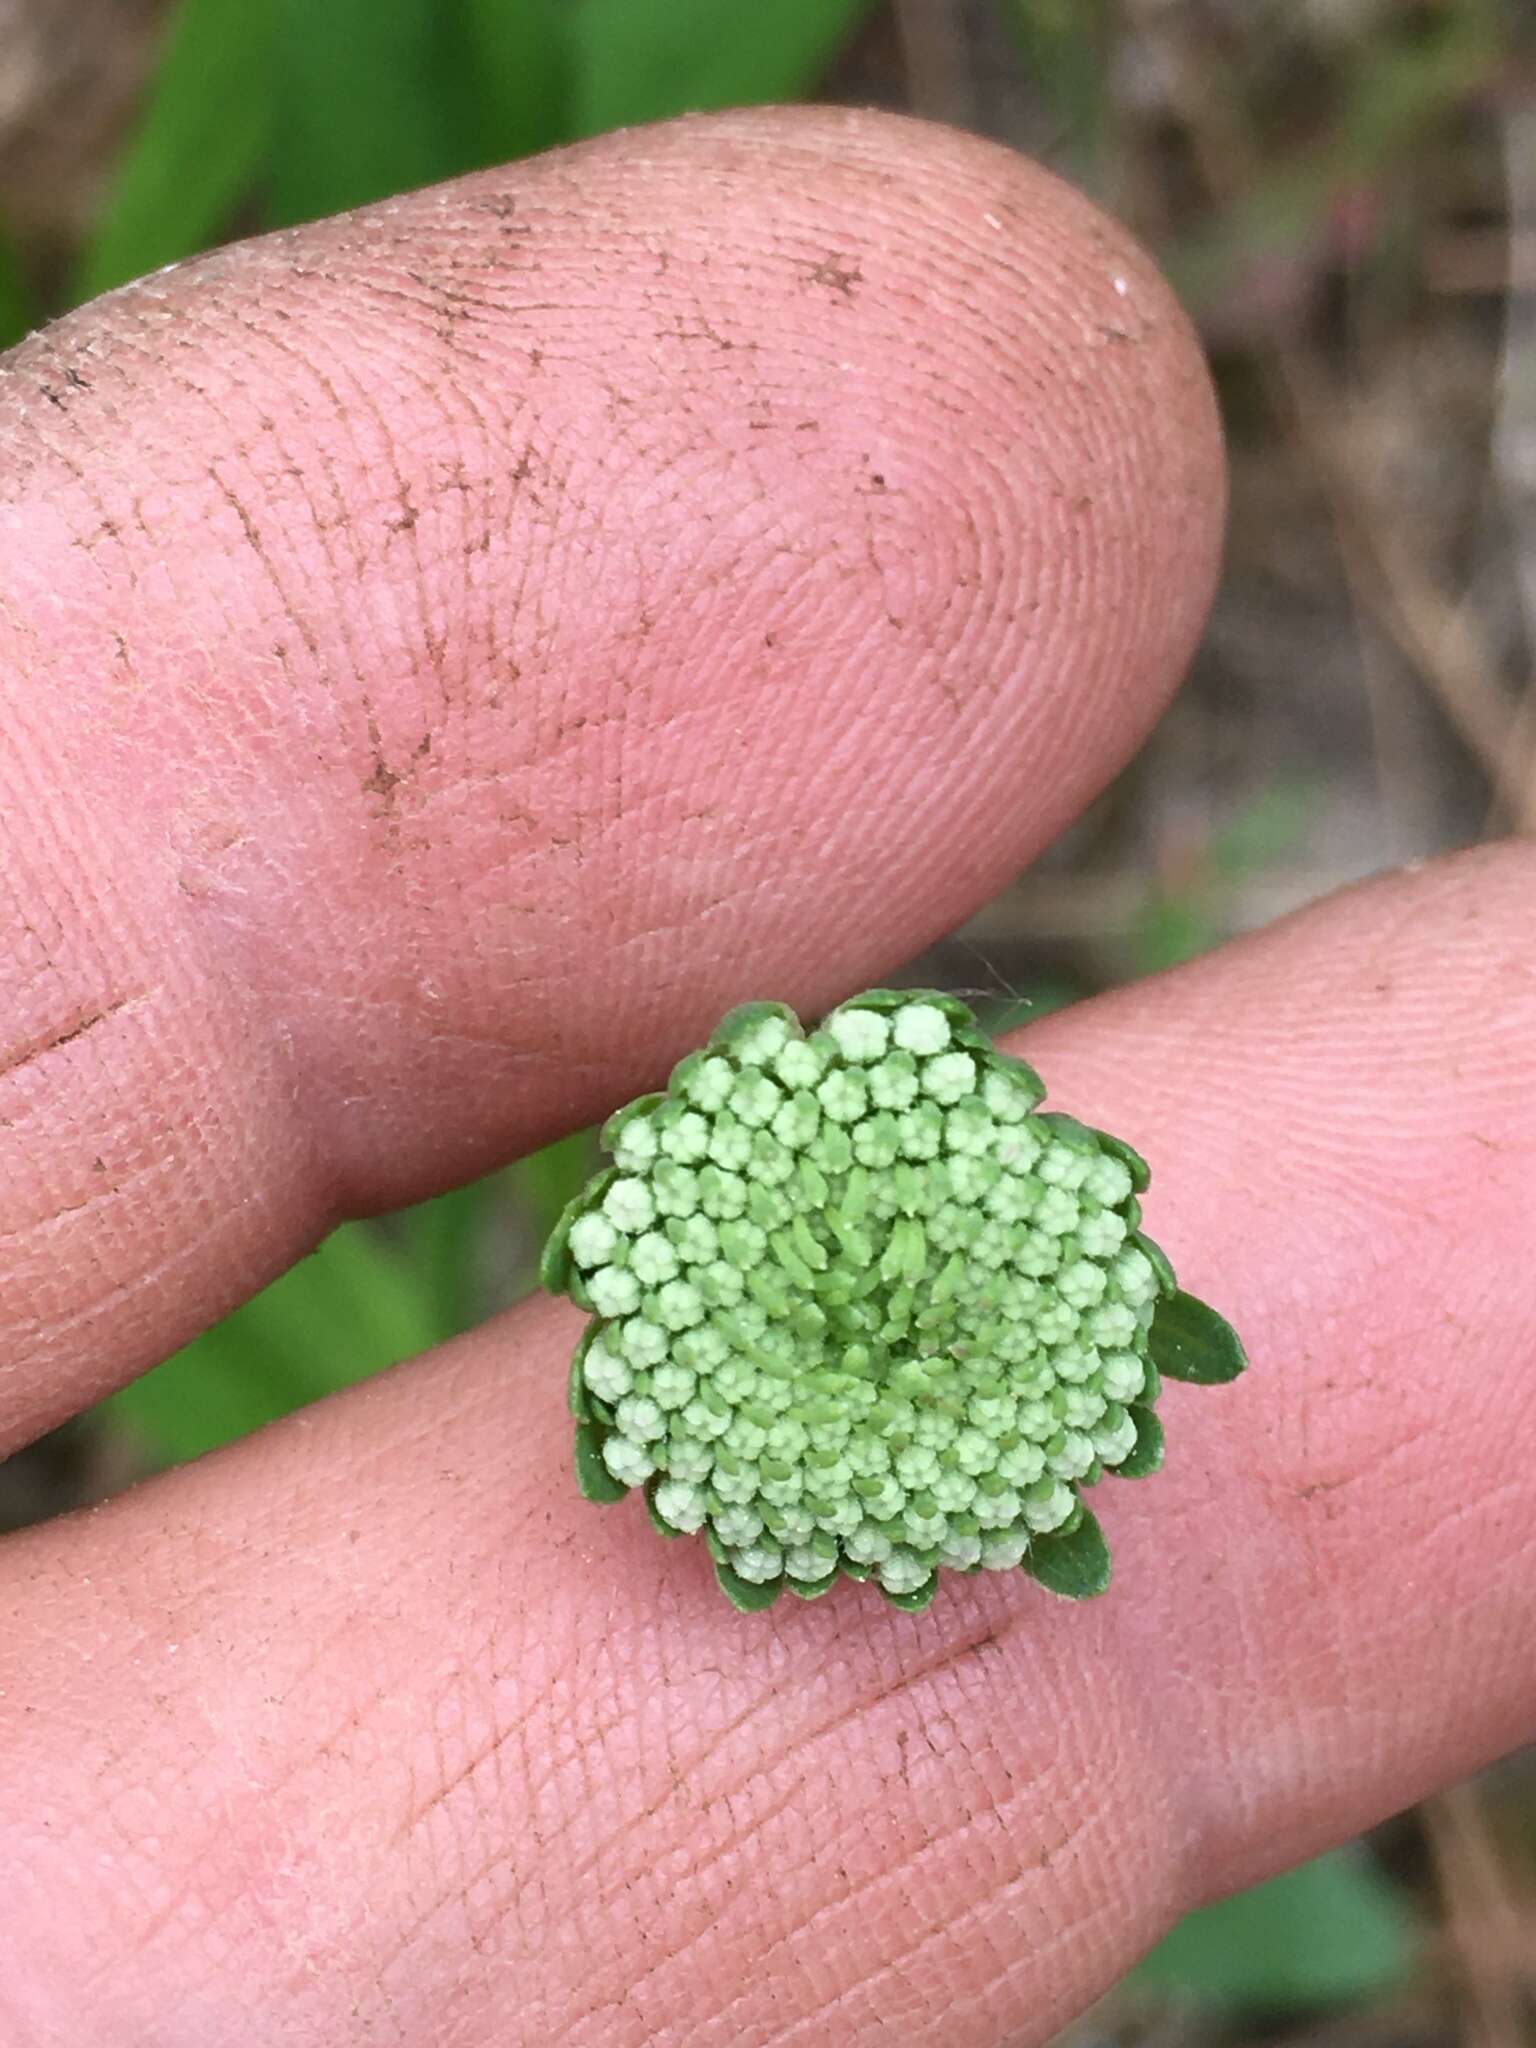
1065 49
271 114
372 1295
1178 920
1330 1933
16 314
198 146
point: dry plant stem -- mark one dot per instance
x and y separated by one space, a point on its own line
1514 436
1388 582
1488 1923
1436 634
936 58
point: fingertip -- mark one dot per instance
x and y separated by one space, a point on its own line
532 615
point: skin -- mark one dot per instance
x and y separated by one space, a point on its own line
447 655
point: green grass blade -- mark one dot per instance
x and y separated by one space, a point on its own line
1331 1933
347 1311
518 60
367 1298
545 1182
444 1241
197 149
380 96
366 102
18 315
1066 47
641 60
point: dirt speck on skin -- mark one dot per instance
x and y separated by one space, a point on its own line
835 274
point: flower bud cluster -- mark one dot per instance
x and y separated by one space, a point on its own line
859 1305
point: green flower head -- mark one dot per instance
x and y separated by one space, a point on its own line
860 1307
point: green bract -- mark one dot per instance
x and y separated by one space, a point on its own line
861 1307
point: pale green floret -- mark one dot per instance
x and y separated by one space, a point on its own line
1005 1097
808 1562
1108 1181
867 1543
894 1084
1047 1504
1079 1407
924 1528
1070 1454
682 1505
690 1458
800 1065
627 1461
730 1145
1133 1275
629 1206
635 1147
998 1510
920 1028
755 1098
676 1188
762 1043
679 1306
593 1240
1021 1466
672 1386
1037 1422
1115 1437
858 1034
704 1350
686 1140
917 1466
1100 1235
1082 1283
1021 1148
614 1291
758 1563
1060 1166
709 1086
1074 1363
954 1491
639 1417
1123 1376
642 1342
737 1524
1112 1324
1057 1322
860 1306
949 1078
652 1259
696 1240
903 1572
844 1097
796 1122
970 1134
606 1375
1056 1213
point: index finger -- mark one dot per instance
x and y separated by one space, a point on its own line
450 653
400 1727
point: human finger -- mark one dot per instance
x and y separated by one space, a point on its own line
371 1720
449 653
